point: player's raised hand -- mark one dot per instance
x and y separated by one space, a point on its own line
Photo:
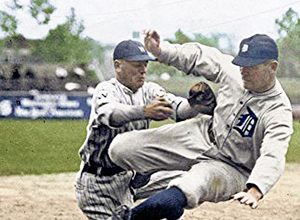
158 110
152 42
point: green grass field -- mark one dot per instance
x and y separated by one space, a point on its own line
51 146
37 146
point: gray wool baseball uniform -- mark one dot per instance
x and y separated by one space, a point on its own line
244 143
115 110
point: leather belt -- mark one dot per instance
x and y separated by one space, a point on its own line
104 171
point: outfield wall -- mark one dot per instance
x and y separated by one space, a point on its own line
34 104
59 105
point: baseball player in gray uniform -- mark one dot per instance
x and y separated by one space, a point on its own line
121 104
238 154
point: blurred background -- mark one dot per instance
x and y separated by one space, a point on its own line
53 53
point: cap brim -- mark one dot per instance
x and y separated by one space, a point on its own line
140 58
246 61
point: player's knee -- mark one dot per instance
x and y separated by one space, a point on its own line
116 150
120 150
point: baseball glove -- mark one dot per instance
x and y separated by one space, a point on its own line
202 95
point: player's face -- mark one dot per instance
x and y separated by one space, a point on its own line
259 78
132 74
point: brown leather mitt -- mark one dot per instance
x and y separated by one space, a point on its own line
201 94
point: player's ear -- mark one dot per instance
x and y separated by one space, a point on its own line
273 66
117 65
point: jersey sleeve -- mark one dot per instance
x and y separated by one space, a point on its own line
271 162
108 109
197 59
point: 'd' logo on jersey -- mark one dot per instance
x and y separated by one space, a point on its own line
246 123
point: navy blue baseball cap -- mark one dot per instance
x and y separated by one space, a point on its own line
256 50
131 51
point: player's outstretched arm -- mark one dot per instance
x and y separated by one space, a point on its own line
251 197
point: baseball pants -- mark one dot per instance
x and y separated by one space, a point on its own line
98 196
159 181
180 146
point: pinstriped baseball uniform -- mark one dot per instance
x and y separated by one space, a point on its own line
251 133
115 109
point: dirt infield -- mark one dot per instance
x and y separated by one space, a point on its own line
51 197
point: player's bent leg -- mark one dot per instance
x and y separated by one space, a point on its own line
215 181
99 196
167 204
179 147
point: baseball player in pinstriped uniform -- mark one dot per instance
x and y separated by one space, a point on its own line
121 104
239 154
